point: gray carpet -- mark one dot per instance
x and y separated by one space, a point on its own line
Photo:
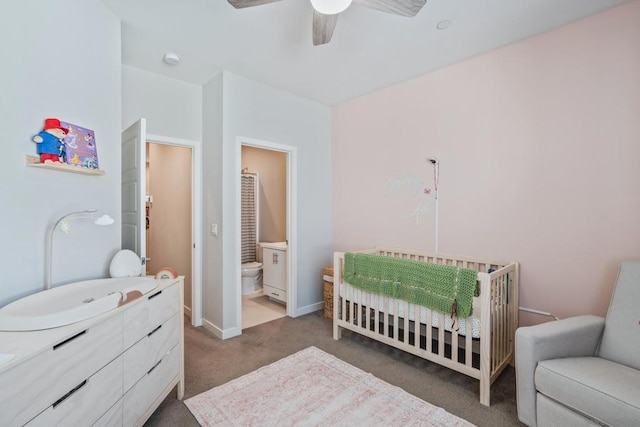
210 362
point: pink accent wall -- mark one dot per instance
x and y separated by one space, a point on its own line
539 144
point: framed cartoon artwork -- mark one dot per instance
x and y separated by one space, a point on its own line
80 146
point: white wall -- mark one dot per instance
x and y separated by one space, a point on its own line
253 110
172 108
539 147
212 289
62 60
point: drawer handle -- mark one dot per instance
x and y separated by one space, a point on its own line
275 294
66 396
155 295
154 366
154 331
60 344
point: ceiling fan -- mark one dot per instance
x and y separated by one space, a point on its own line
325 12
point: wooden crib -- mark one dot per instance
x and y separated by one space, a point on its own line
480 346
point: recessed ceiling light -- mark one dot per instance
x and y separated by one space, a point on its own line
171 58
443 25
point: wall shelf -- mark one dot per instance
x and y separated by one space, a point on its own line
34 161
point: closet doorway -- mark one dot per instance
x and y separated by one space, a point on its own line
168 212
135 175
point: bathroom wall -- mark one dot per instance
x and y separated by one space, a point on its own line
62 60
271 167
539 148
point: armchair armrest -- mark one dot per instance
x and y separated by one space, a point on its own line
573 337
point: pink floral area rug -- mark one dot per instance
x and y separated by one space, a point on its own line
312 388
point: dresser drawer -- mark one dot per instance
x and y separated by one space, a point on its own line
144 354
154 309
36 384
149 389
112 418
86 402
275 293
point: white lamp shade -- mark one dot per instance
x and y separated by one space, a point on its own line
330 7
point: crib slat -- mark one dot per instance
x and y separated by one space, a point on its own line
366 311
351 311
387 306
396 318
468 340
358 312
376 315
441 335
406 323
454 343
416 326
429 331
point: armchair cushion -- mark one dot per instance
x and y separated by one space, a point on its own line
621 336
573 337
597 388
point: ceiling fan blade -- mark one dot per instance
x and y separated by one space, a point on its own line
397 7
323 26
240 4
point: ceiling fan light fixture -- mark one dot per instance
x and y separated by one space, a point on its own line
330 7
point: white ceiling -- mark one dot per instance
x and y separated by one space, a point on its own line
369 50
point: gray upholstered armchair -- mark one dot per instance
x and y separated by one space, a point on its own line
584 370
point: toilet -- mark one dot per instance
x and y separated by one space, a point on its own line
252 274
251 277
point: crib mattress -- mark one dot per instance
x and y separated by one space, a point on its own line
387 305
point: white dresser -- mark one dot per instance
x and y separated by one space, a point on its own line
110 370
274 270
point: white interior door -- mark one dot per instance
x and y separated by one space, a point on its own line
134 140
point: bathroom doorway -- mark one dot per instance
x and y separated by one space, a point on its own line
269 168
168 205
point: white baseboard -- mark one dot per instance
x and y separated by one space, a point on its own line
301 311
220 333
235 331
187 311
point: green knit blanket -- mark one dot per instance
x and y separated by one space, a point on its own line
438 287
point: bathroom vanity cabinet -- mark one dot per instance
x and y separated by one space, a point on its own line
274 270
110 370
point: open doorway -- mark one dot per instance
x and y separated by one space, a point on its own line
134 201
168 212
264 224
273 166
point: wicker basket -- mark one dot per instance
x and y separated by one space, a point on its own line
327 277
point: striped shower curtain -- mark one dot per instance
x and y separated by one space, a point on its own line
249 212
